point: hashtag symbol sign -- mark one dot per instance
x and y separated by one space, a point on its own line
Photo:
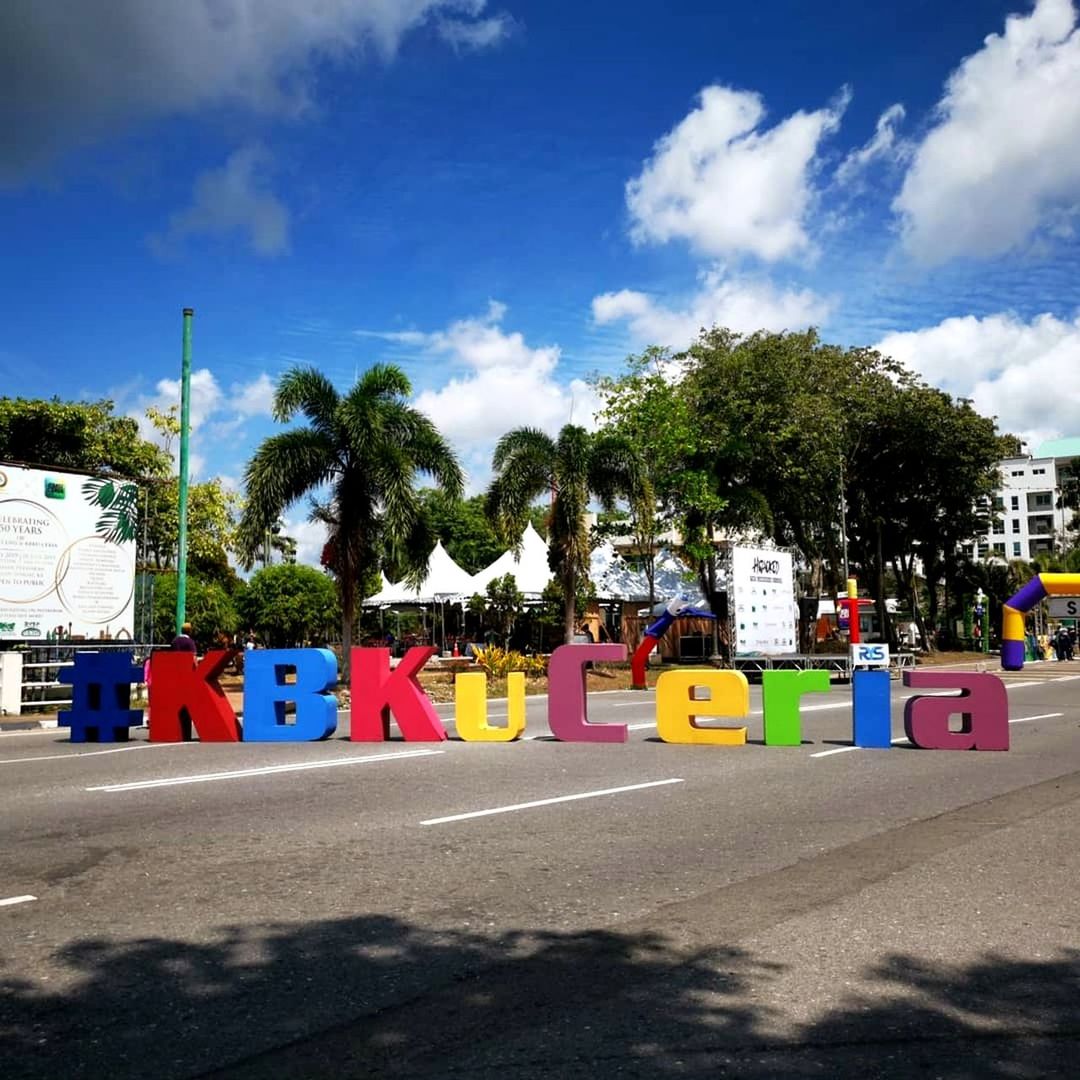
100 697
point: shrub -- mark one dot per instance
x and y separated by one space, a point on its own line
499 662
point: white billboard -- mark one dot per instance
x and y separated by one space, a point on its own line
761 599
67 555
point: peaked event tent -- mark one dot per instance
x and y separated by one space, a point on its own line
445 581
530 569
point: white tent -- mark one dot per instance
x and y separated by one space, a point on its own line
445 581
530 568
615 579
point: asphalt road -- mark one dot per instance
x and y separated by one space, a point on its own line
327 909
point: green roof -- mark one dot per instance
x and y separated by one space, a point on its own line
1059 448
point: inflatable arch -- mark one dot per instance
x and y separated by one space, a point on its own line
1012 620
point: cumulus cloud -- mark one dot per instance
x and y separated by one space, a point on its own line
1025 373
883 144
310 537
500 382
233 199
255 398
1001 161
743 304
477 34
71 72
727 185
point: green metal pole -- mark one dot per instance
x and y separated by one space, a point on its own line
185 414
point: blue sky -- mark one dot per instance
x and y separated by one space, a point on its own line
504 197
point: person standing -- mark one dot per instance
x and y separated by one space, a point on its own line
183 642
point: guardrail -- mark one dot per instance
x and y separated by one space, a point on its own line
29 675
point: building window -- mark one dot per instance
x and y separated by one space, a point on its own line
1015 525
999 549
1038 472
1019 472
999 503
1042 498
1016 551
999 528
1014 502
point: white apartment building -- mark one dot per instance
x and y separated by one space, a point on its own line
1029 522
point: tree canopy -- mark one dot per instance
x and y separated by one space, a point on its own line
288 604
358 458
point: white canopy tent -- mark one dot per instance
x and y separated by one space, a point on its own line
615 579
530 568
445 581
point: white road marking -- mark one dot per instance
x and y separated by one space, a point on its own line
838 750
903 738
267 770
11 900
93 753
550 802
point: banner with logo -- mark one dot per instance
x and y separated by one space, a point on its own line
67 555
762 599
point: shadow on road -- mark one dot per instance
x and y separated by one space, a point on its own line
375 996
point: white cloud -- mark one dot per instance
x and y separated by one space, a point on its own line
231 199
310 537
742 304
1025 373
255 398
1002 160
883 144
478 34
721 182
501 383
72 72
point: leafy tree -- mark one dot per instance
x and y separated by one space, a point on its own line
464 528
210 610
529 463
83 436
505 602
288 603
367 447
211 528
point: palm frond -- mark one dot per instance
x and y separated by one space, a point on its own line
306 390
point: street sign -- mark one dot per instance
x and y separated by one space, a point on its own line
875 655
1065 607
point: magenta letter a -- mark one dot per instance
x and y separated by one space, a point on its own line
983 704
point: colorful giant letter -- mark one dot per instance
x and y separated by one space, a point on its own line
470 708
871 720
781 692
378 691
677 709
100 696
266 692
983 705
567 711
186 694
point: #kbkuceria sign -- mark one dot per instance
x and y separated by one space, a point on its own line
186 699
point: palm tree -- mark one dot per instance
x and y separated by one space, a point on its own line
528 463
367 447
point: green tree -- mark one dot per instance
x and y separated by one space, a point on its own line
464 528
210 610
288 603
83 436
367 447
505 602
528 463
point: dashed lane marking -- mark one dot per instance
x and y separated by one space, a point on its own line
550 802
268 770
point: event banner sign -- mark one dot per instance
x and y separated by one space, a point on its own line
67 554
762 601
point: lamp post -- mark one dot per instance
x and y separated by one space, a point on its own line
185 425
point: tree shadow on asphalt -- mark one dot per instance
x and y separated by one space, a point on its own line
375 996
